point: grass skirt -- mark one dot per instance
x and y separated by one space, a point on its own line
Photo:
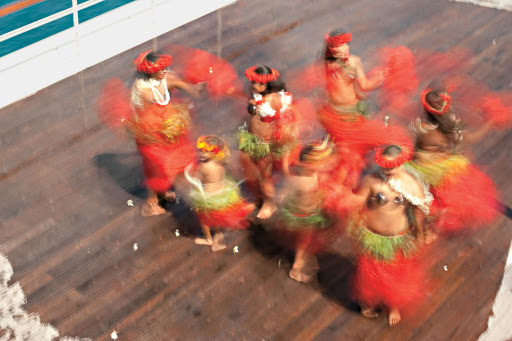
388 270
312 232
464 197
224 208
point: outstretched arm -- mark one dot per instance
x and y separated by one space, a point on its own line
366 84
175 82
475 136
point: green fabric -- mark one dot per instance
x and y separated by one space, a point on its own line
258 149
316 220
437 172
218 200
351 113
379 246
254 146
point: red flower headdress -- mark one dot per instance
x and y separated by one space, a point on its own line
445 96
254 77
218 152
404 156
144 65
338 40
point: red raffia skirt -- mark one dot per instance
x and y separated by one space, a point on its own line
464 197
233 217
351 130
467 200
162 162
399 283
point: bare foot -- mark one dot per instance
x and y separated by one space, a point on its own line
218 242
369 312
303 275
151 208
170 196
394 317
430 236
266 210
203 241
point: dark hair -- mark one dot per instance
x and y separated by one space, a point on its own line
327 52
151 57
392 151
273 86
213 140
446 122
305 152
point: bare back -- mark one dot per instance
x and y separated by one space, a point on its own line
211 174
303 192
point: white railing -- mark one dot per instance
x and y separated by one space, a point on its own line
72 10
61 55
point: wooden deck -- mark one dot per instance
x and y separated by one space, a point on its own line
69 233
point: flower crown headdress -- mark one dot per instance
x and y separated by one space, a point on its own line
381 161
254 77
144 65
219 152
445 96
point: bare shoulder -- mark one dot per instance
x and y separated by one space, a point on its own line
411 184
355 60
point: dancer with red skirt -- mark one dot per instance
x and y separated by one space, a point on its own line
388 237
216 196
464 196
160 127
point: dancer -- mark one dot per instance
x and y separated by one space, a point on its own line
216 197
464 196
302 221
266 139
343 117
388 234
160 127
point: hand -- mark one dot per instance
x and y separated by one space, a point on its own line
200 87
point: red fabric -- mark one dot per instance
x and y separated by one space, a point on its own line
401 65
219 75
162 162
233 217
114 104
361 135
466 200
399 283
496 111
144 65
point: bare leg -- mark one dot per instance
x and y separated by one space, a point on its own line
151 206
207 240
394 317
305 266
252 175
170 196
269 205
368 311
218 242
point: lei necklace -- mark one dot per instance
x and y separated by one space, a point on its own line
422 204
